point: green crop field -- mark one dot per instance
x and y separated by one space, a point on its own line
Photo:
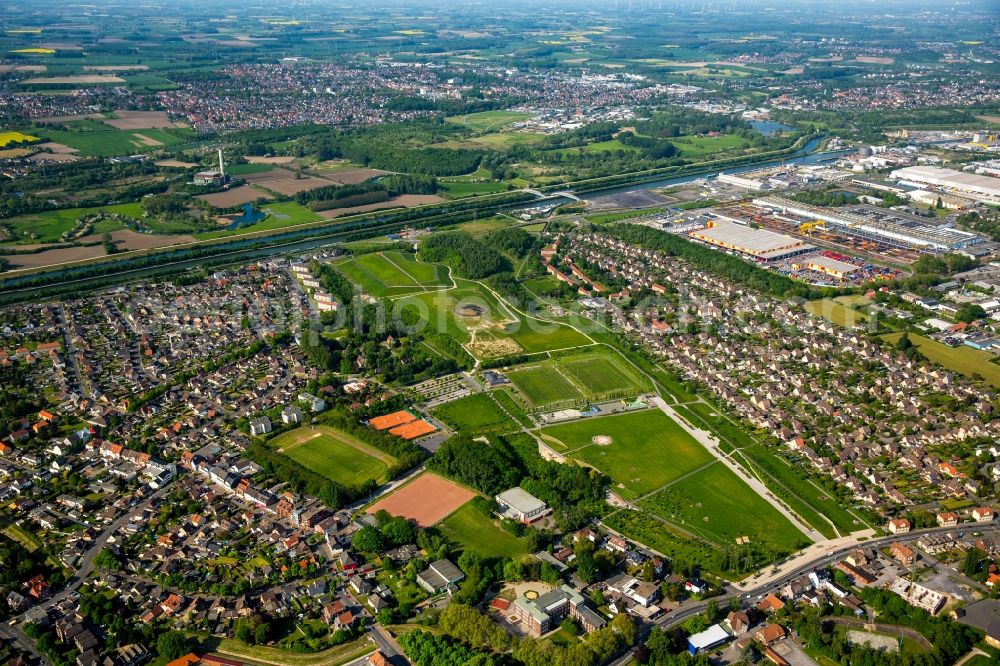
7 138
647 449
471 529
542 385
963 360
336 455
475 415
488 121
718 506
247 169
392 274
48 226
95 139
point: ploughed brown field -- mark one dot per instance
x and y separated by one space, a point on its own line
234 197
426 500
403 200
133 120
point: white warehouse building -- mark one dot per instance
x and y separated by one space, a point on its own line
983 188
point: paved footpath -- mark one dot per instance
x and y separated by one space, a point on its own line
709 441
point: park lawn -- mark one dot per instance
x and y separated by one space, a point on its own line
49 225
488 121
535 335
836 313
336 455
472 530
542 385
485 225
392 273
647 450
963 360
507 139
602 373
438 307
459 190
608 146
697 146
279 216
7 138
718 506
475 415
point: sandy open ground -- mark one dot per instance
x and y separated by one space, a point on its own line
59 148
280 159
872 60
133 120
425 500
234 197
59 256
177 164
78 78
271 176
6 69
354 176
115 68
404 200
126 239
11 153
54 157
69 119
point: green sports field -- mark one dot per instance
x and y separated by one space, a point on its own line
471 529
393 273
647 449
543 385
336 455
488 121
593 374
718 506
475 415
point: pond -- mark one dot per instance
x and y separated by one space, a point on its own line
248 218
769 127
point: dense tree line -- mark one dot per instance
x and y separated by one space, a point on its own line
513 240
466 255
426 649
825 198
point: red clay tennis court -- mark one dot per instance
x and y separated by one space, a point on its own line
413 429
426 500
391 420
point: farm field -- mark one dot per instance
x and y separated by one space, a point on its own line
475 414
716 505
647 449
7 138
488 121
963 360
472 530
339 457
425 500
96 139
393 273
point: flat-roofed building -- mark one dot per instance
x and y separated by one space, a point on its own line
756 243
706 640
518 504
918 595
982 188
544 613
826 265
